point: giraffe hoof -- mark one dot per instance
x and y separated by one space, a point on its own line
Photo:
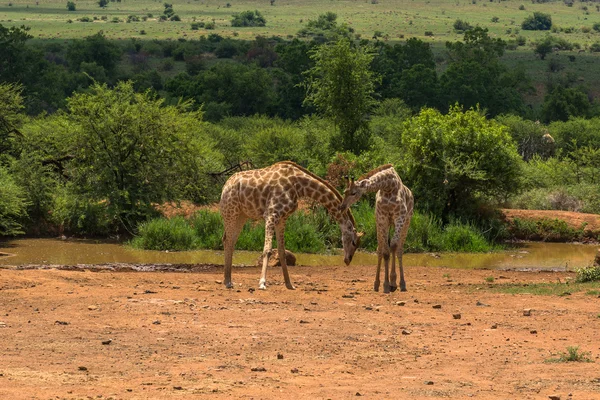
386 288
376 287
403 289
393 288
290 287
229 285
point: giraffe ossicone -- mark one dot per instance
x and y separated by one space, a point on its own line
394 206
272 194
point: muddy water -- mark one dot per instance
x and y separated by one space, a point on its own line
556 256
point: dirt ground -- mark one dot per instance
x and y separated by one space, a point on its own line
164 335
573 219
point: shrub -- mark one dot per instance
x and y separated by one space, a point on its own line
71 6
209 25
545 229
588 274
596 27
12 205
248 18
463 237
461 26
208 227
572 355
165 234
537 22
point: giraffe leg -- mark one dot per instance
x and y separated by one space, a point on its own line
377 281
401 248
230 236
279 232
269 231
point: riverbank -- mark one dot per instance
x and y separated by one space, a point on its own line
455 333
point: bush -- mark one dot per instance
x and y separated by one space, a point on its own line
461 26
596 27
545 229
248 18
208 227
537 22
12 205
165 234
588 274
71 6
463 237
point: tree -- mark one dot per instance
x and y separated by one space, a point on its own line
341 85
475 75
454 162
130 151
102 3
94 49
248 18
537 22
12 205
562 103
11 107
544 47
71 6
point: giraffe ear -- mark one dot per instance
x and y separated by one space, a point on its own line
360 234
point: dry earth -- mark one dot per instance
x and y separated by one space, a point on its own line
169 335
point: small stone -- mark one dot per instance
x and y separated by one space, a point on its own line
480 304
495 326
348 296
82 368
177 387
554 397
437 306
527 312
294 370
61 323
279 356
428 382
92 308
303 321
358 394
406 332
218 282
251 290
533 331
258 369
157 322
107 342
401 303
456 316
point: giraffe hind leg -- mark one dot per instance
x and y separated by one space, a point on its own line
230 236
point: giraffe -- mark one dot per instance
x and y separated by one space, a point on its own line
393 206
272 193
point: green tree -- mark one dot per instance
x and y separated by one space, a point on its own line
475 75
131 151
455 162
94 49
71 6
544 47
562 103
12 205
248 18
341 85
537 22
11 118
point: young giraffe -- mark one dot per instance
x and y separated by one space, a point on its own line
272 193
393 206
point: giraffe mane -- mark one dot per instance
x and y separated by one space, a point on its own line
324 182
374 171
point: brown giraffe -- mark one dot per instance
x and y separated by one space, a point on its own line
393 207
272 194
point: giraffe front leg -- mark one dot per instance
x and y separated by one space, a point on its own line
230 236
378 273
386 282
269 230
393 275
280 230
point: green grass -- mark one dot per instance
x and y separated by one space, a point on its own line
572 355
545 289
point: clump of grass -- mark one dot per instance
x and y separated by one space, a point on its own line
544 289
588 274
208 227
572 355
458 236
165 234
546 229
489 279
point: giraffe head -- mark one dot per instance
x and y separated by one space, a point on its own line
352 194
350 239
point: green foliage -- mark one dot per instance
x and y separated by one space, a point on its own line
94 49
133 151
73 213
461 26
71 6
545 229
562 103
453 162
12 205
572 355
463 237
165 234
208 227
537 22
248 18
588 274
530 136
11 118
341 86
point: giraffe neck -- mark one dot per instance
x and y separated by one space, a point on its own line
322 193
386 180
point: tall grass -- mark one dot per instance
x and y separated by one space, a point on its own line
308 231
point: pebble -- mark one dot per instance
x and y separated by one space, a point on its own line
406 332
92 308
527 312
401 303
279 356
456 316
533 331
437 306
554 397
428 382
82 368
480 304
495 326
294 370
258 369
107 342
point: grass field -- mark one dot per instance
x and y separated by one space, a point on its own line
394 19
